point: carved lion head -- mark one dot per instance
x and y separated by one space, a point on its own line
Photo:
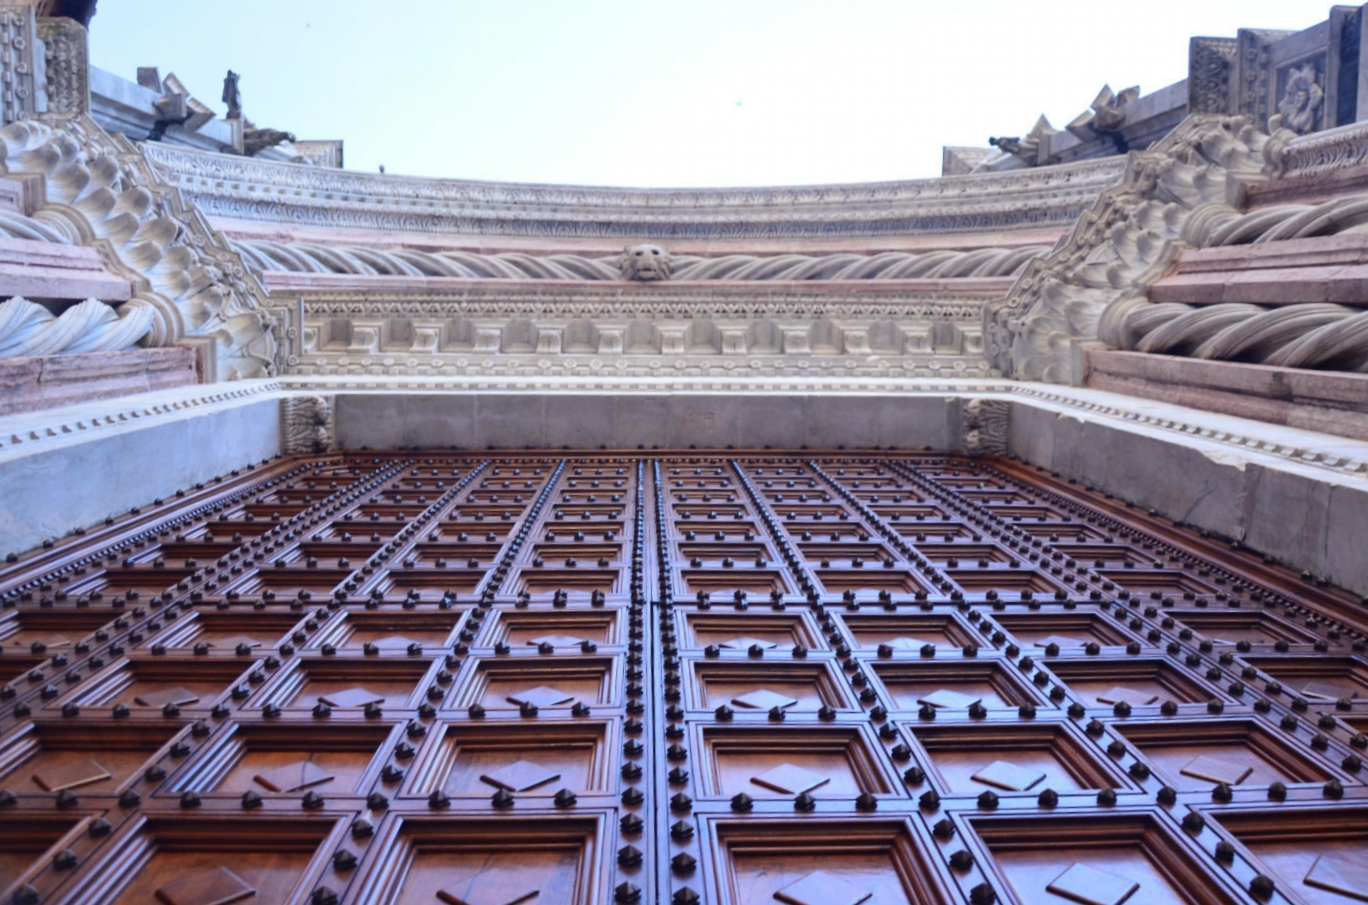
645 262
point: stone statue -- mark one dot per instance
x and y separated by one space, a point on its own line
1300 107
232 96
255 140
645 263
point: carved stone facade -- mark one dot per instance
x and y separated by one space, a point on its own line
192 283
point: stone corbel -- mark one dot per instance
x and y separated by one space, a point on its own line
610 341
672 340
488 339
548 341
733 340
857 342
797 341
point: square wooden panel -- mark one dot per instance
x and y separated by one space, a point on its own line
809 685
29 636
1062 533
1166 583
578 583
286 583
982 555
730 631
1319 855
781 762
48 755
475 758
278 859
389 633
1008 581
420 860
761 862
333 759
1320 679
907 632
147 683
430 583
724 582
1200 753
456 549
871 580
23 843
348 683
911 683
712 554
1098 859
846 554
525 629
552 684
1069 629
1156 679
223 631
1043 755
1230 627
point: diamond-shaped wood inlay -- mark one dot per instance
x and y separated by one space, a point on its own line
902 642
52 642
1064 641
556 641
953 700
790 780
1327 691
1091 886
1339 876
351 697
1004 775
520 776
764 699
746 643
492 887
822 888
212 887
1216 769
233 642
301 774
1134 696
541 696
394 642
177 696
70 776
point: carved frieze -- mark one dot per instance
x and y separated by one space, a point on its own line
66 65
249 189
1210 62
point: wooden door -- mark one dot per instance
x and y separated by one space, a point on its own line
741 678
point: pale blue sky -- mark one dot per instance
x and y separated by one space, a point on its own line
686 93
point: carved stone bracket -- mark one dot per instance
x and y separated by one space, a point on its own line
985 426
103 190
1172 195
307 424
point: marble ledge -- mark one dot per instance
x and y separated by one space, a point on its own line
386 240
976 287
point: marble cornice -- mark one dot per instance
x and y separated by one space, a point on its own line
248 189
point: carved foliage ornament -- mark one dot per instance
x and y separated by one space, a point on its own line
192 283
1124 243
1302 103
